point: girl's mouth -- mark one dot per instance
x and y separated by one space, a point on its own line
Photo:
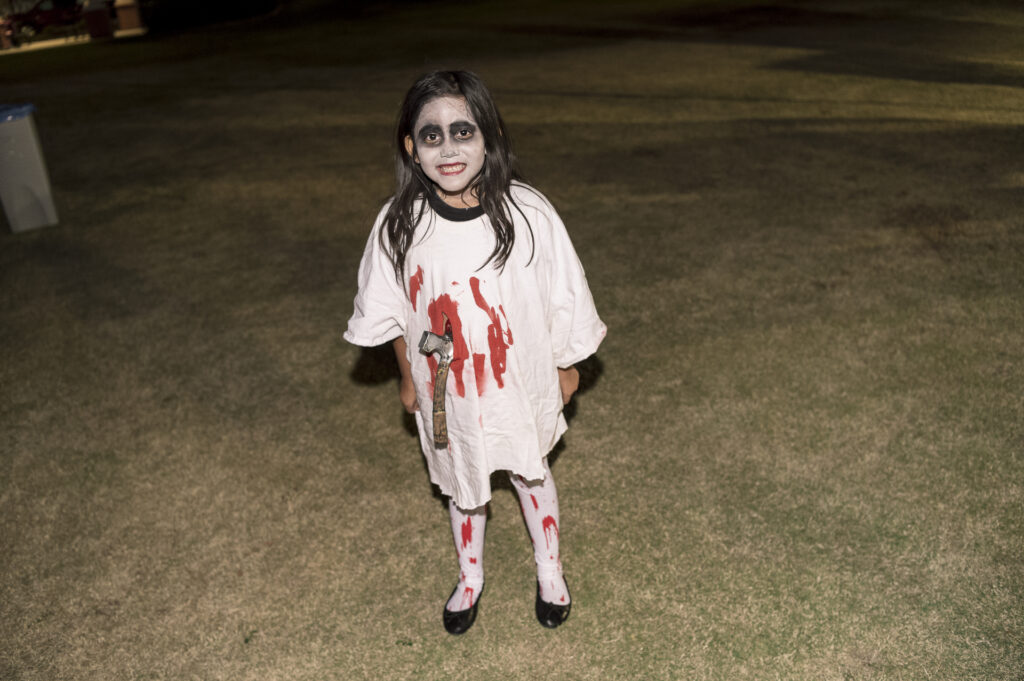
451 168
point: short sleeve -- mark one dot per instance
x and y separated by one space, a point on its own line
379 308
575 328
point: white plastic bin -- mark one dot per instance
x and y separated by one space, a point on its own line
24 184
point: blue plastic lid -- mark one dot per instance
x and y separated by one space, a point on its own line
12 112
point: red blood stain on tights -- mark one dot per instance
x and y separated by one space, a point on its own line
467 598
415 284
550 530
498 337
444 312
534 500
467 532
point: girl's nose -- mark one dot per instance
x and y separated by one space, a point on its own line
449 150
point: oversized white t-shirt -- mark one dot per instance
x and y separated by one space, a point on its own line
512 329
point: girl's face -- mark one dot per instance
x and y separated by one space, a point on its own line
448 145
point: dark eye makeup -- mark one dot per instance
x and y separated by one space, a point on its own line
461 129
432 133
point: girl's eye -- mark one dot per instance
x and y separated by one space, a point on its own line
431 138
464 134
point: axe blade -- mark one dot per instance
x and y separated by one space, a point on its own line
430 343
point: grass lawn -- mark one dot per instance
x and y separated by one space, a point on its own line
799 453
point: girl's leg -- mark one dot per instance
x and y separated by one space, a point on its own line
539 501
468 530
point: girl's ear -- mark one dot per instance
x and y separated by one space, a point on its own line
409 148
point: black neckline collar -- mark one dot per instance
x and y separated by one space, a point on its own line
451 212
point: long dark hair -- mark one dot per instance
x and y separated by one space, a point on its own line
491 185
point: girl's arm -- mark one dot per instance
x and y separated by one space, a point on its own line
568 381
406 391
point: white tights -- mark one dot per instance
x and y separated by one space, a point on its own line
538 500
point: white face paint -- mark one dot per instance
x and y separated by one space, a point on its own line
448 145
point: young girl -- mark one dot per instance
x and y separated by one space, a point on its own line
466 250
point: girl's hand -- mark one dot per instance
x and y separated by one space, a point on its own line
569 382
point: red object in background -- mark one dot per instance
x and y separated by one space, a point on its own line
20 26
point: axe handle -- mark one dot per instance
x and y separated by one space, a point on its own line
440 420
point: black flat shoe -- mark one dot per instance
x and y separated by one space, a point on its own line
549 614
459 621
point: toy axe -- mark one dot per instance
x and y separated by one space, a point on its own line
443 346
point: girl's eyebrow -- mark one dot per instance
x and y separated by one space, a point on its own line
460 125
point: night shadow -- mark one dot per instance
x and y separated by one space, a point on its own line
861 43
378 365
866 42
591 369
375 365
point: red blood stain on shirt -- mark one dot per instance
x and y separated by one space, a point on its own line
498 337
467 532
550 530
415 284
508 331
480 371
444 312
